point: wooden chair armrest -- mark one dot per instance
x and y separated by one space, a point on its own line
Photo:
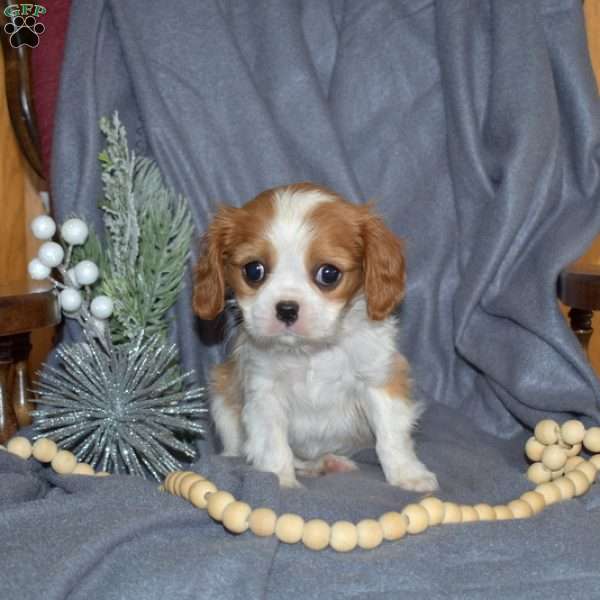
579 286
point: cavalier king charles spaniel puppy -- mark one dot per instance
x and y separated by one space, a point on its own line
315 374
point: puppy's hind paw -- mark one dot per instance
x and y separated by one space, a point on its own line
289 481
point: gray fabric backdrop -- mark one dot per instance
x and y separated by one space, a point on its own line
476 126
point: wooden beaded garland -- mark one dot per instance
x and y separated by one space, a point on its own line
551 445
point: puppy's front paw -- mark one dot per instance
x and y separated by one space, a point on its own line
415 479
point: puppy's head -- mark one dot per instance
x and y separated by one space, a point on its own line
295 257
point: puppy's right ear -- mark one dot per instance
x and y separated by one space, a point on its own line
209 277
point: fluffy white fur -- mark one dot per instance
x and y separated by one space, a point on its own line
306 396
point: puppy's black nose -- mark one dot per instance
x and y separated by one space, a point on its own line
287 311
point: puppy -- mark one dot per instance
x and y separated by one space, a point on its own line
315 374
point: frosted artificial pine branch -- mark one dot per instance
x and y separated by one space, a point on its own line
118 398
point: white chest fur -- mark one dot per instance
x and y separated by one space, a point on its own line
321 393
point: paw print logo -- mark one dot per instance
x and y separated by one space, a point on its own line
24 31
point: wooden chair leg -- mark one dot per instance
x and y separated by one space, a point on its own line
8 419
581 324
21 385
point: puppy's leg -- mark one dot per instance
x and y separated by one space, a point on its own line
266 447
392 419
227 419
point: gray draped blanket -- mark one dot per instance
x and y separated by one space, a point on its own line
476 127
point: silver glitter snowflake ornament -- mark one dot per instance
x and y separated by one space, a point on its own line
120 407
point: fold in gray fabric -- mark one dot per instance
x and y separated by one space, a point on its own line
476 127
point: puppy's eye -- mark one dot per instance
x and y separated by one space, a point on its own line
254 272
327 275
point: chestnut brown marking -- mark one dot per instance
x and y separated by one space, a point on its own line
226 382
399 384
231 229
384 271
356 241
338 242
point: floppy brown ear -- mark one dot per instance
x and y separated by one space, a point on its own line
383 266
209 276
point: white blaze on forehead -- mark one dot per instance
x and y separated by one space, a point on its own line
290 229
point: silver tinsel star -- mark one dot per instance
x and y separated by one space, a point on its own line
119 407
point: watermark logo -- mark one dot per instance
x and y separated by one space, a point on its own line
24 28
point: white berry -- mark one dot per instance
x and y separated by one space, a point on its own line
74 232
51 254
43 227
37 269
86 272
70 300
101 307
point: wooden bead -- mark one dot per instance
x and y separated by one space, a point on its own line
183 475
19 446
535 500
595 460
262 522
167 483
566 487
316 533
452 513
289 528
538 473
572 463
186 483
591 440
520 509
44 450
546 432
573 450
394 525
173 485
572 432
217 503
556 474
550 492
534 449
418 518
83 469
485 512
468 514
344 536
589 470
580 481
370 534
102 473
435 509
64 462
554 457
198 493
503 512
235 516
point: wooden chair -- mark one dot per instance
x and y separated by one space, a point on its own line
24 307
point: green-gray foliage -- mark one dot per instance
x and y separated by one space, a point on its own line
148 237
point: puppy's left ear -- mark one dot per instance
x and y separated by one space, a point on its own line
383 267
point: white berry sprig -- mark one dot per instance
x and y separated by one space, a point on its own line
74 290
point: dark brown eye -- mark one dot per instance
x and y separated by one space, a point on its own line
327 275
254 271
